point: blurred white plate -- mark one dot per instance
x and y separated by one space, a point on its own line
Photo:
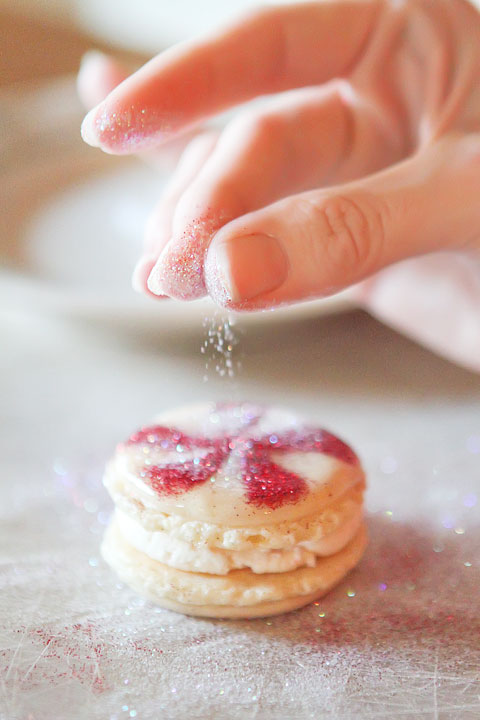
73 222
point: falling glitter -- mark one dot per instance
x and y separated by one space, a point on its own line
218 346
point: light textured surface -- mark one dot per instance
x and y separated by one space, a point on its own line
399 639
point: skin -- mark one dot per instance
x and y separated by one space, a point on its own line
363 153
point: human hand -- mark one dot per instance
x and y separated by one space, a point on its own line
326 183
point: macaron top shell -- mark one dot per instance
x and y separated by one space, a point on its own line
234 464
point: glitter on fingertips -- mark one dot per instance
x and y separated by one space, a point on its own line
179 271
131 128
215 282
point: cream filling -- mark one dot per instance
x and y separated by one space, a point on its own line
200 558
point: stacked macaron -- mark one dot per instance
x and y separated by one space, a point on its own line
234 510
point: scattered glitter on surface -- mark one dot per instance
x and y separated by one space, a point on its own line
267 484
470 500
388 465
90 505
351 593
473 444
411 651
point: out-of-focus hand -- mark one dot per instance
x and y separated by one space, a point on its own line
368 154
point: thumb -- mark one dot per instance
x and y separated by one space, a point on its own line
317 243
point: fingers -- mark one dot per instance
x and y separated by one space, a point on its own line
98 75
271 50
262 157
316 243
159 226
434 300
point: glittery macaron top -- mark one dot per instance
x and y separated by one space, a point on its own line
236 463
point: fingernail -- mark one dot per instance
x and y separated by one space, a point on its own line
141 272
245 267
89 128
155 281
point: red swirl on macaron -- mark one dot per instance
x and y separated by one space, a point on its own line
266 483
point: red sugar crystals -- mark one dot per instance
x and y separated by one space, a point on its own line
266 483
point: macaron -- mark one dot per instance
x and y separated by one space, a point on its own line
234 510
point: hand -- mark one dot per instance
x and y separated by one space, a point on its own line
329 181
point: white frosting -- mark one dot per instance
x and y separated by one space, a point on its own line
200 557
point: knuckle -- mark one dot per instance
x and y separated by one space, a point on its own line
351 231
255 128
267 125
469 149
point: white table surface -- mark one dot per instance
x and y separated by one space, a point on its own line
399 638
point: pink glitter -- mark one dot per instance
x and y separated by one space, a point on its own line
123 130
177 478
266 483
179 271
269 485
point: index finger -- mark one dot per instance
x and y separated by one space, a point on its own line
269 51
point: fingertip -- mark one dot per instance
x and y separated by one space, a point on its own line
141 272
88 128
140 277
154 282
179 272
